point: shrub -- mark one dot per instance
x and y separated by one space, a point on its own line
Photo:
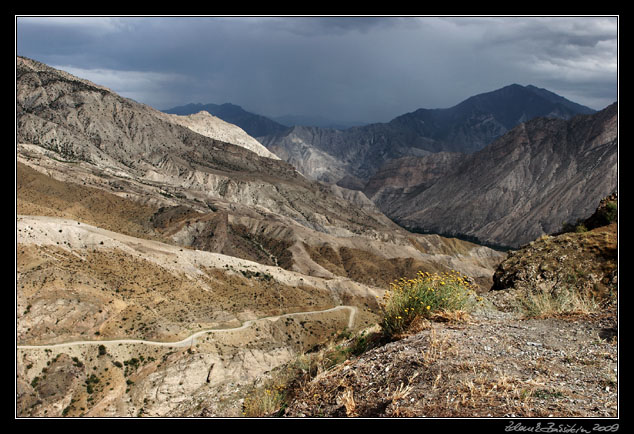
424 296
263 402
581 228
610 212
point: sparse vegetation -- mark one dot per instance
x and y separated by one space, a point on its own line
271 398
578 227
91 382
611 212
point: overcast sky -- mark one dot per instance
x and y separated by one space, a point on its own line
368 69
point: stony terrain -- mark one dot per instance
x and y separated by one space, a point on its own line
214 127
491 365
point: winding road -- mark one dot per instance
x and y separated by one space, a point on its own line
191 340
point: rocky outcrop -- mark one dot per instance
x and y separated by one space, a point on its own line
584 260
537 176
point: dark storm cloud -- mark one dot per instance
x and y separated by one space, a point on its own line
350 68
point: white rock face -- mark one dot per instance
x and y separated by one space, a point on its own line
215 128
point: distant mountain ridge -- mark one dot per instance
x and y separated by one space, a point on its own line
475 122
316 121
241 201
253 124
355 154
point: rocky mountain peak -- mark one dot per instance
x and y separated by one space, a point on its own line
253 124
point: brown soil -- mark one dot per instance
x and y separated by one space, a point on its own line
366 267
110 294
38 194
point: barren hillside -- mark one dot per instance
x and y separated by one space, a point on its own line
135 234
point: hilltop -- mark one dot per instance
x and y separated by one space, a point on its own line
253 124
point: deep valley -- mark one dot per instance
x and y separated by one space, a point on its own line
171 265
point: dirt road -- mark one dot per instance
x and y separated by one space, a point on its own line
191 340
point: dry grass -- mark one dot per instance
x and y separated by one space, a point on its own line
347 398
437 349
545 304
294 378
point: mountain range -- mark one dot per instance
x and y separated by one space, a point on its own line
396 164
168 263
350 156
162 269
540 175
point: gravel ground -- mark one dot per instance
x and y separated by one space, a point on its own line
493 364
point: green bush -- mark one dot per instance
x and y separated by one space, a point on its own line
610 212
424 296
